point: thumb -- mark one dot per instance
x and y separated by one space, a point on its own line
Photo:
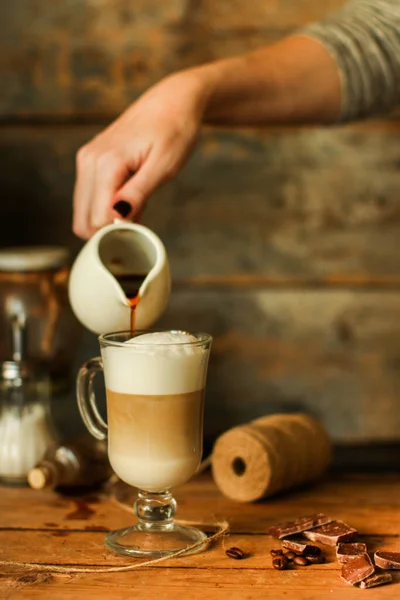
138 188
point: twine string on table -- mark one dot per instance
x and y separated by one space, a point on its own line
221 529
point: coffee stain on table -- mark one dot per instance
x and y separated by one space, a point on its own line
92 499
31 579
60 533
82 510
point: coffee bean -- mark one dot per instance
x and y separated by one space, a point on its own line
234 552
275 552
290 556
280 563
315 560
301 561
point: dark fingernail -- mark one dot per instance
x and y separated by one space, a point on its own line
123 208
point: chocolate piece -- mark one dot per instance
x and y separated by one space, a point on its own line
345 552
385 559
300 546
375 580
332 533
282 530
357 569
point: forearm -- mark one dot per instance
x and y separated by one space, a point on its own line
293 81
364 41
343 69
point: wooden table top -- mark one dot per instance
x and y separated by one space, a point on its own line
44 527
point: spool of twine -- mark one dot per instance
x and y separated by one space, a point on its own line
269 455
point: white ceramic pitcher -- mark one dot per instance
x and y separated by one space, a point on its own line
96 296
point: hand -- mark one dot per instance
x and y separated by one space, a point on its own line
145 147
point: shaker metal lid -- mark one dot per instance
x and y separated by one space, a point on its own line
11 370
33 258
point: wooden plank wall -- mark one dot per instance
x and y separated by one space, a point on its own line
283 242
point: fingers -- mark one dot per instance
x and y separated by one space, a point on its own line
111 173
150 175
105 179
83 192
105 184
99 176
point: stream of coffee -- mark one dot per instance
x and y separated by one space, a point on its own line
130 283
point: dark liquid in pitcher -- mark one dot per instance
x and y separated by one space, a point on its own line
130 283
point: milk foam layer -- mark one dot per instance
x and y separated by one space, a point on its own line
173 340
155 364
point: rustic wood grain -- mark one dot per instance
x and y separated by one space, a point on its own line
334 354
63 547
84 57
301 206
369 503
197 584
275 14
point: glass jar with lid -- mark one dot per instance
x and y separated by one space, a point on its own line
34 299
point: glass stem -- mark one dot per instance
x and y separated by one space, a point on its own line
155 510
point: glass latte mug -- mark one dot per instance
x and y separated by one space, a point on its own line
155 398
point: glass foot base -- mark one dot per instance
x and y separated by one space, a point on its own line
143 542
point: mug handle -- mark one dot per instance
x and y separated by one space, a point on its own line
87 400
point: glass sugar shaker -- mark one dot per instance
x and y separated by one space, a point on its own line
26 430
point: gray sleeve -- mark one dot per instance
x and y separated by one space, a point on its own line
364 40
